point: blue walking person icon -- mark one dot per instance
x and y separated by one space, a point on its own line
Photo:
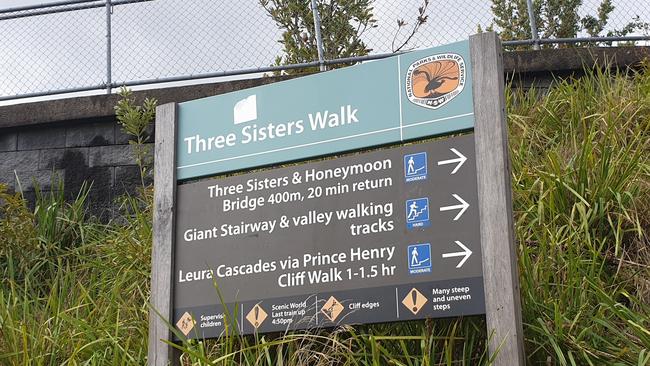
419 258
417 213
414 257
415 167
411 166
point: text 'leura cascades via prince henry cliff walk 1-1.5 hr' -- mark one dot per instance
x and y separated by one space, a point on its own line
384 101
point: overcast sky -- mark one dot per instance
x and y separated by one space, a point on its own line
166 38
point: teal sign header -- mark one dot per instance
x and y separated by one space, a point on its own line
422 93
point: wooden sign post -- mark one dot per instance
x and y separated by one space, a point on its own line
162 265
500 270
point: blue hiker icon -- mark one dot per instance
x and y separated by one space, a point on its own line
417 213
419 256
415 167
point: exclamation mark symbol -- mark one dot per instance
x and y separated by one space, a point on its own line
257 316
414 297
414 301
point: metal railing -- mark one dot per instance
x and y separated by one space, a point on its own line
89 45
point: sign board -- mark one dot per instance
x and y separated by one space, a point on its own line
381 234
414 231
414 95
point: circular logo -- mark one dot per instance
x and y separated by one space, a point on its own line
432 81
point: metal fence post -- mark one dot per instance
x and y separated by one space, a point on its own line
533 24
319 38
109 81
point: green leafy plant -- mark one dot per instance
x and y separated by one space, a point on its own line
344 23
136 121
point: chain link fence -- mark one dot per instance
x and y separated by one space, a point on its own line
81 45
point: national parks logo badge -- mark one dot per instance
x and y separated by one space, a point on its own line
432 81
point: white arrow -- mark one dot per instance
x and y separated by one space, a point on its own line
466 253
463 206
460 160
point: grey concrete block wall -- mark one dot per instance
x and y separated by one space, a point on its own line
73 153
91 134
111 155
57 158
26 160
41 138
8 141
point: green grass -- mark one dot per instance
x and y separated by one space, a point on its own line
75 291
580 178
